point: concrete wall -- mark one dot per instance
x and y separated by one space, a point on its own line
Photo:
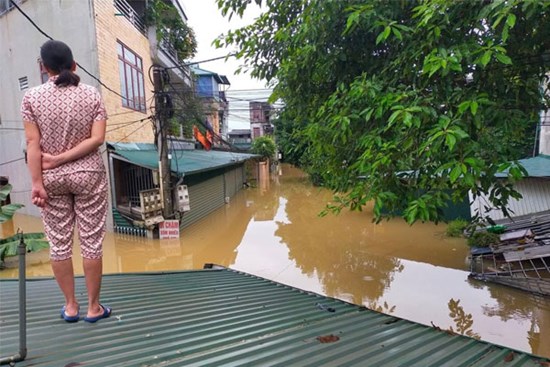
71 21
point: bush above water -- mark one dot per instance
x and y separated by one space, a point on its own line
483 239
456 228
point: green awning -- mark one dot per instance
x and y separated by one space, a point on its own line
183 161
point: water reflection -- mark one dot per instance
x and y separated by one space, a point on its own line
533 309
464 322
273 230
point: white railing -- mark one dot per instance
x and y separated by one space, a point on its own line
167 47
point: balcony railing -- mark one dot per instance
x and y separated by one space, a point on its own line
168 47
130 14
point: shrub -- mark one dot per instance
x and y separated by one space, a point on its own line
456 228
264 146
483 239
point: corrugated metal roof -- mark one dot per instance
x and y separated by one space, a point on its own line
538 166
221 317
183 161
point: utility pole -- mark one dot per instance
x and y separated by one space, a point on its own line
162 142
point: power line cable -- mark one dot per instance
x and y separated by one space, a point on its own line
12 161
128 123
124 137
200 62
12 128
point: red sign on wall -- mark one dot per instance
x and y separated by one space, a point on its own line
169 229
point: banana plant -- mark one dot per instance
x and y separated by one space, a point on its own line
8 245
7 211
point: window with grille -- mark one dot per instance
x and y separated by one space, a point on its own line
132 87
6 6
23 83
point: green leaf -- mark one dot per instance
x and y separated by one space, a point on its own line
505 33
9 246
435 68
26 236
352 20
497 22
473 162
503 58
450 140
455 174
397 34
387 32
463 106
7 211
486 58
5 191
473 107
393 116
380 38
511 20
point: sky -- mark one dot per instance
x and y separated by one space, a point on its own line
208 23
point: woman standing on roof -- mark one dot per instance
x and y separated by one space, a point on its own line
64 126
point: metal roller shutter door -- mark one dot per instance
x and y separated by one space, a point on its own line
204 198
234 180
239 177
230 178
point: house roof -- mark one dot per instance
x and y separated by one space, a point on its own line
538 166
183 161
222 317
221 79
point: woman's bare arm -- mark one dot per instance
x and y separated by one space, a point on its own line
34 160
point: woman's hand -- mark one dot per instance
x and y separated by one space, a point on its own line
39 196
50 161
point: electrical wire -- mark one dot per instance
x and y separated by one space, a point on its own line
202 61
13 128
128 123
12 161
131 133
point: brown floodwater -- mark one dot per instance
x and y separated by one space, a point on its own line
274 231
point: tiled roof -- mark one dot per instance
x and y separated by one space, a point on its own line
221 317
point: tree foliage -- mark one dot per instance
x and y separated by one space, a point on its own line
171 28
407 103
264 146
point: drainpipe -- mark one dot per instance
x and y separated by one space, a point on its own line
21 251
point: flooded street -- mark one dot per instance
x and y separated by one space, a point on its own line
274 231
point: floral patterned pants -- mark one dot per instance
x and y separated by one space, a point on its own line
80 197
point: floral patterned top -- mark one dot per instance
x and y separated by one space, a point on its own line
64 116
